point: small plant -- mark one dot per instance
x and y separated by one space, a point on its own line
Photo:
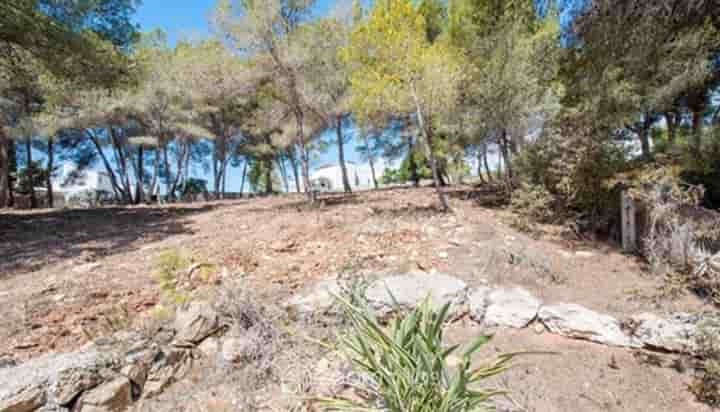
410 366
533 202
168 267
706 385
113 321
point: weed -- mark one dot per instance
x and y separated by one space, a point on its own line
411 368
706 384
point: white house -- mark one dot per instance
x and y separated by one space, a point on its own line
328 177
72 184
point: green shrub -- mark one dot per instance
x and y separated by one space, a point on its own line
706 385
168 267
533 201
409 364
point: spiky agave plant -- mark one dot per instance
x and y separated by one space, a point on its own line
410 365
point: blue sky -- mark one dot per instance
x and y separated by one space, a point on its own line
187 18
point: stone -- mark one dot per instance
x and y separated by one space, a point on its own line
25 400
478 302
675 333
576 321
210 347
235 349
409 290
113 396
510 307
138 364
54 379
321 298
195 321
171 366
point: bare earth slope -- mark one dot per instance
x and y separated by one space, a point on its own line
65 271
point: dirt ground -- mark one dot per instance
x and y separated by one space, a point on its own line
65 272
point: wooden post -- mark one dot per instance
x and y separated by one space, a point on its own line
629 227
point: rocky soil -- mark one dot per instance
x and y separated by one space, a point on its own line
71 277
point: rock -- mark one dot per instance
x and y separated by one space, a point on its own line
676 333
409 290
195 321
7 362
171 366
113 396
25 400
138 364
319 299
54 379
210 347
579 322
510 307
235 349
478 302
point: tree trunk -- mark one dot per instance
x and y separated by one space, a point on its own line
283 172
242 180
412 164
504 146
671 119
29 170
426 130
167 177
644 135
117 191
485 161
50 165
4 170
480 165
371 161
268 176
341 155
12 171
140 176
153 182
294 165
304 158
697 118
121 160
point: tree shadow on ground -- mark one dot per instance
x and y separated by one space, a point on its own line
31 241
484 196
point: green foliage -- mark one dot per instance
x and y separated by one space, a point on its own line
28 177
257 176
575 169
411 366
193 186
706 385
393 66
168 268
533 202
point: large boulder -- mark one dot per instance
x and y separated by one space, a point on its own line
169 367
54 380
320 298
579 322
676 333
407 291
509 307
113 396
477 301
194 322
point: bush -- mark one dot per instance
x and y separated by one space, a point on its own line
168 267
409 364
574 167
706 385
533 202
